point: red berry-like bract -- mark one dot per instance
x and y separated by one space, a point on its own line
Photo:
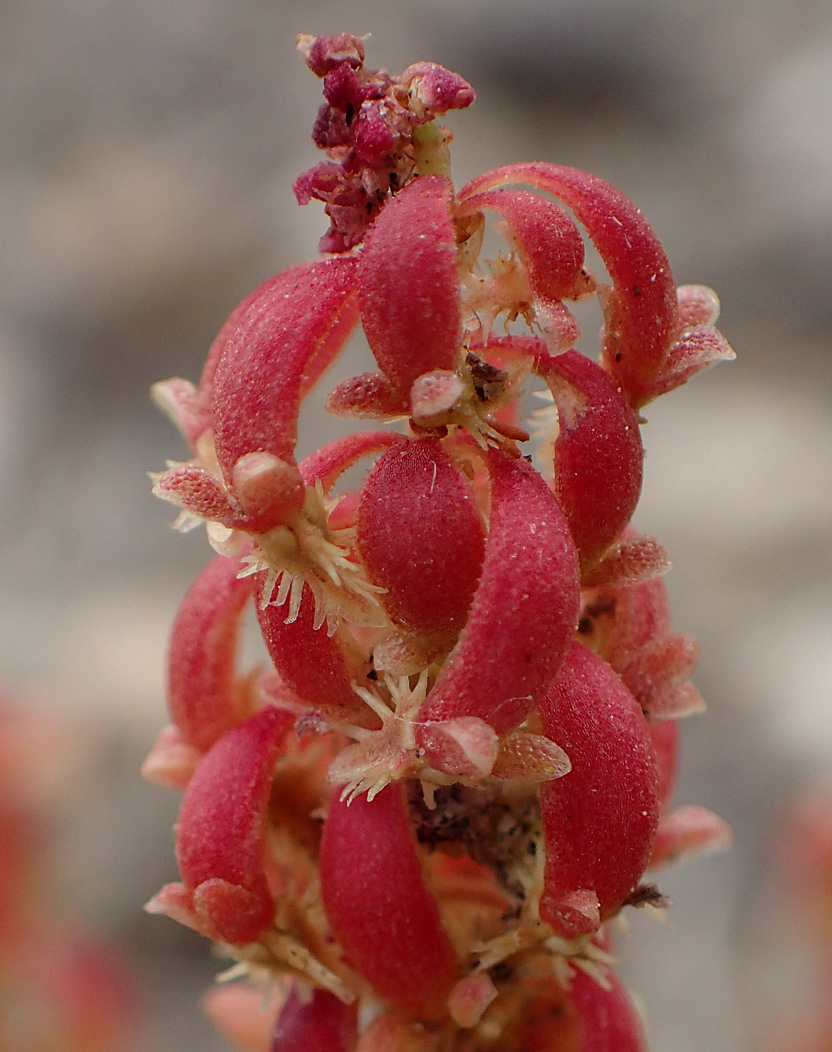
458 767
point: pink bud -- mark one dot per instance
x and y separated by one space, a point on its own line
437 88
324 53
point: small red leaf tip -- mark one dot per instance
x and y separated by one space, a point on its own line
422 815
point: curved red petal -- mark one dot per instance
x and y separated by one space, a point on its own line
598 452
421 536
600 819
326 464
607 1018
203 698
318 1022
524 610
409 286
220 835
379 906
312 664
279 346
546 236
642 309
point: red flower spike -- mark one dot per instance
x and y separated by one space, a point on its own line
421 538
312 664
599 820
280 346
204 697
220 835
641 311
598 452
409 284
524 610
314 1022
488 721
379 906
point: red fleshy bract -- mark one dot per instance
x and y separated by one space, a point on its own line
318 1022
279 347
379 905
609 1021
203 693
599 820
421 537
409 288
312 664
220 835
326 464
551 250
524 610
641 310
598 452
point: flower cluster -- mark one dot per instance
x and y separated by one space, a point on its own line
458 769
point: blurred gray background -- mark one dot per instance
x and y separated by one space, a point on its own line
147 152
